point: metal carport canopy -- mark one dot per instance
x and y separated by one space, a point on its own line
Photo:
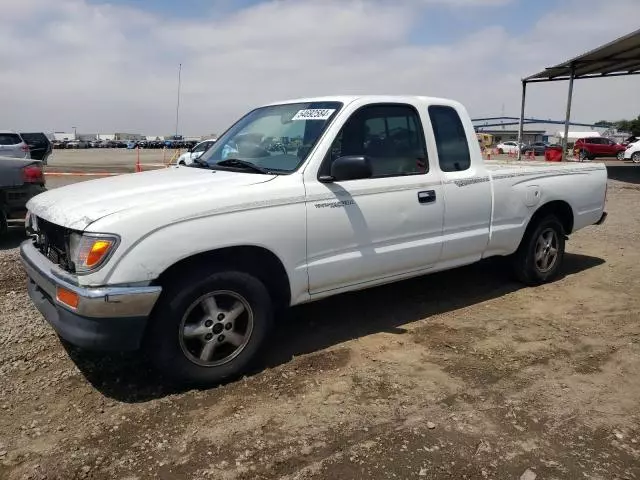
617 58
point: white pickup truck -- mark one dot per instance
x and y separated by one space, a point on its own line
297 201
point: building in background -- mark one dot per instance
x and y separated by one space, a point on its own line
511 135
128 136
64 136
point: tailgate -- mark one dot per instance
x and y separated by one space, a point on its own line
11 171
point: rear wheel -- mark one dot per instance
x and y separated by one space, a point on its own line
541 252
210 327
500 151
635 158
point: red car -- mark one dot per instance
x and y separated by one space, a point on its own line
592 147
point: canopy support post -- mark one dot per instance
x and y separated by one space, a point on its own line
521 127
565 139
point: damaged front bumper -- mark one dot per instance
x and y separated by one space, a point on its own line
106 317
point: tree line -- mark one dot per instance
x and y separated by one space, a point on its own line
632 126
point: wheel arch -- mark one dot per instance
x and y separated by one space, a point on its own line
560 208
258 261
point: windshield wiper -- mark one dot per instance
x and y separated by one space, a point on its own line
236 162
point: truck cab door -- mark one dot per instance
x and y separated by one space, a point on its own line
366 230
466 185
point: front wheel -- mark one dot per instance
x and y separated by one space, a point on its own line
584 155
541 252
209 328
620 156
635 158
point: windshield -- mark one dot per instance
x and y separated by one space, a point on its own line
276 138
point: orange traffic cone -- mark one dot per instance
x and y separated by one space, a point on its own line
138 166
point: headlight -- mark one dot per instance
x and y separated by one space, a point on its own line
89 251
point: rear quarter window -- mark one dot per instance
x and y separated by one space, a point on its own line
10 139
451 139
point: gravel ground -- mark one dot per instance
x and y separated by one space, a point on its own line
463 374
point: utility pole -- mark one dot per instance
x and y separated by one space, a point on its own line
75 135
178 103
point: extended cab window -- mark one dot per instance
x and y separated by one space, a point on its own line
390 135
451 139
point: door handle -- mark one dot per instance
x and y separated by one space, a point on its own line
427 196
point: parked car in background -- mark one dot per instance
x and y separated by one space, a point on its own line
538 148
508 147
40 146
77 144
20 180
632 152
594 147
189 156
12 145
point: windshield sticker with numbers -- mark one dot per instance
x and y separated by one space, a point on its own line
314 114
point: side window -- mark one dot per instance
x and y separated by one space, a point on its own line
9 139
390 135
451 139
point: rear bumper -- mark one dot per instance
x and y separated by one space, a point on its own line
603 218
16 199
106 318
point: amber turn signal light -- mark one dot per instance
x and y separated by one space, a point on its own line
67 297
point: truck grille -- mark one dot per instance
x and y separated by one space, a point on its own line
53 242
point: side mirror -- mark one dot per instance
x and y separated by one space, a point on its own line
350 167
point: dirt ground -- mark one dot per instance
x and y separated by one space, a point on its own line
461 375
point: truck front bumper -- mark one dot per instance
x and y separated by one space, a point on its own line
106 317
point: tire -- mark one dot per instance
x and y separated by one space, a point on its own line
185 323
182 163
635 157
584 155
527 266
620 156
500 151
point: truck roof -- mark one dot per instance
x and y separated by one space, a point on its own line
346 99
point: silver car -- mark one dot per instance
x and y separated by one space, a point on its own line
12 145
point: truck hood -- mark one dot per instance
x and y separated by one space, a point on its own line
77 206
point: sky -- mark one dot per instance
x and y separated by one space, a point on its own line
112 66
